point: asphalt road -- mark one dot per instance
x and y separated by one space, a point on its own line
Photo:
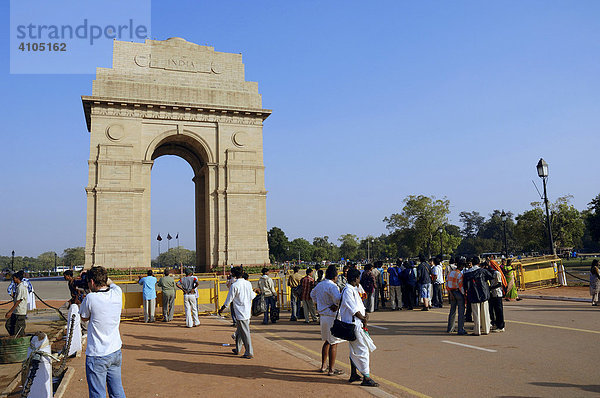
549 349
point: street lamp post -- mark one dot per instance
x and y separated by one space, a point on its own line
12 261
542 170
441 243
55 261
368 250
504 217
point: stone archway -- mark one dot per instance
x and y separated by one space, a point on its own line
173 97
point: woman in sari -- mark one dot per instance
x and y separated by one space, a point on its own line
352 310
595 282
511 286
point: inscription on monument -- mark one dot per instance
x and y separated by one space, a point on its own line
179 63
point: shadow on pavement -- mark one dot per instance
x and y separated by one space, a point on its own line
589 387
246 370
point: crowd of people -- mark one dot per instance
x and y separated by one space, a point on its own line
475 291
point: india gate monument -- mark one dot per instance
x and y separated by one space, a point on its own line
174 97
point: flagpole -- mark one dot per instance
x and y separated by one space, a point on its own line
178 248
158 238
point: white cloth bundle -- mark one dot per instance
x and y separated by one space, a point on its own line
42 382
76 339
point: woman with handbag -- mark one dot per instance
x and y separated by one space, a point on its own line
352 310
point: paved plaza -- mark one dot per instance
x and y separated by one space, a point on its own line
549 349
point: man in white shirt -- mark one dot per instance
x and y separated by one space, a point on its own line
352 310
241 295
102 308
188 284
327 297
437 273
15 325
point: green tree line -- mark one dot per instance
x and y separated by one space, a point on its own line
422 227
70 257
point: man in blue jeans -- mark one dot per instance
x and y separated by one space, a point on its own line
102 308
267 289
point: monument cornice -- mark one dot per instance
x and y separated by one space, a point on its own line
171 110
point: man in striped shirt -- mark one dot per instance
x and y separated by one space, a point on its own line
456 294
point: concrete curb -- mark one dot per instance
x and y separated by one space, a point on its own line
64 383
11 386
555 298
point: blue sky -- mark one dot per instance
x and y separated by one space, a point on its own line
372 101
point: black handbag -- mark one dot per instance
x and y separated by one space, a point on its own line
274 313
258 305
343 330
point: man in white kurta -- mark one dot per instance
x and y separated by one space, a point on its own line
352 310
327 297
241 295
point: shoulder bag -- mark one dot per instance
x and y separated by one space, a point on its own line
343 330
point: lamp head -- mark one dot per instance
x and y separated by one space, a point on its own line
542 168
503 216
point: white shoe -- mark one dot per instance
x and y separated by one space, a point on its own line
498 330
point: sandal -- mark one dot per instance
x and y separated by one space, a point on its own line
369 383
353 378
335 372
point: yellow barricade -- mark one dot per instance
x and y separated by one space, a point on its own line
538 272
213 295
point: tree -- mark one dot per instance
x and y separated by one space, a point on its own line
74 256
176 256
46 260
349 246
472 222
301 248
330 250
424 216
530 229
278 244
592 224
567 223
450 239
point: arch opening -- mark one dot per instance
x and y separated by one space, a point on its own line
194 155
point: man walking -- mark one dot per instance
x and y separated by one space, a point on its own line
149 295
267 289
241 296
293 282
102 308
15 325
308 283
167 284
188 284
327 297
